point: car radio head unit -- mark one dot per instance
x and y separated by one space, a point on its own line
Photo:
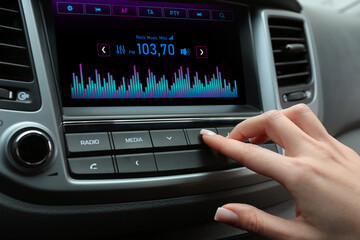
120 53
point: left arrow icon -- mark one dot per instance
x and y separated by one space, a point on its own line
103 49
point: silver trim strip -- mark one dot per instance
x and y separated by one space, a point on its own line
66 123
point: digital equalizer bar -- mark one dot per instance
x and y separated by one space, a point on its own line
180 86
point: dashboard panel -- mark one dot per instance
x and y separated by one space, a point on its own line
105 129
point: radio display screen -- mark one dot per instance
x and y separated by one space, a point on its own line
141 53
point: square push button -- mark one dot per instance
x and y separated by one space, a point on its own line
178 13
132 140
91 165
124 11
222 15
150 12
98 9
193 159
195 137
87 142
70 8
199 14
136 163
168 138
224 131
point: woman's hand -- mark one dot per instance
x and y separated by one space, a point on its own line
322 175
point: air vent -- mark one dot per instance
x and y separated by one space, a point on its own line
14 58
290 51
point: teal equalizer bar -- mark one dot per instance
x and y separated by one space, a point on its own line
180 87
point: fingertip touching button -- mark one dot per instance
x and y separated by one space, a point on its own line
195 137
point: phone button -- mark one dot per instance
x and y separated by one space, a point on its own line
91 165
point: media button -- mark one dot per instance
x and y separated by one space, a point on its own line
97 9
70 8
179 13
87 142
168 138
136 163
124 11
132 140
199 14
150 12
222 15
91 165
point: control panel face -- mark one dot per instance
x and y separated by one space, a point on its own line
124 154
142 53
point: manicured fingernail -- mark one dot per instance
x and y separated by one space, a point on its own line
226 216
207 132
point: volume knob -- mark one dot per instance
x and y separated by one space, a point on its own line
31 149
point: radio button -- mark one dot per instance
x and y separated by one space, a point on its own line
137 163
168 138
87 142
132 140
91 165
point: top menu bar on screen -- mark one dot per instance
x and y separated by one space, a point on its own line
146 11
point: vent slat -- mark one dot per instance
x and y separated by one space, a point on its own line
288 39
14 58
295 75
286 28
12 46
9 10
292 65
11 28
14 65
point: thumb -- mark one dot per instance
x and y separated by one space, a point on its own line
257 221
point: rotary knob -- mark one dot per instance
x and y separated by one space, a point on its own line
31 149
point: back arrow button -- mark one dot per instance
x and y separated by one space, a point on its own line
103 49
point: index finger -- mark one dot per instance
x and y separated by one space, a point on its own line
254 157
276 126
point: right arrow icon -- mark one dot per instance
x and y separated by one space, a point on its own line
201 52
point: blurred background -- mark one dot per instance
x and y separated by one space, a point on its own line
341 6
